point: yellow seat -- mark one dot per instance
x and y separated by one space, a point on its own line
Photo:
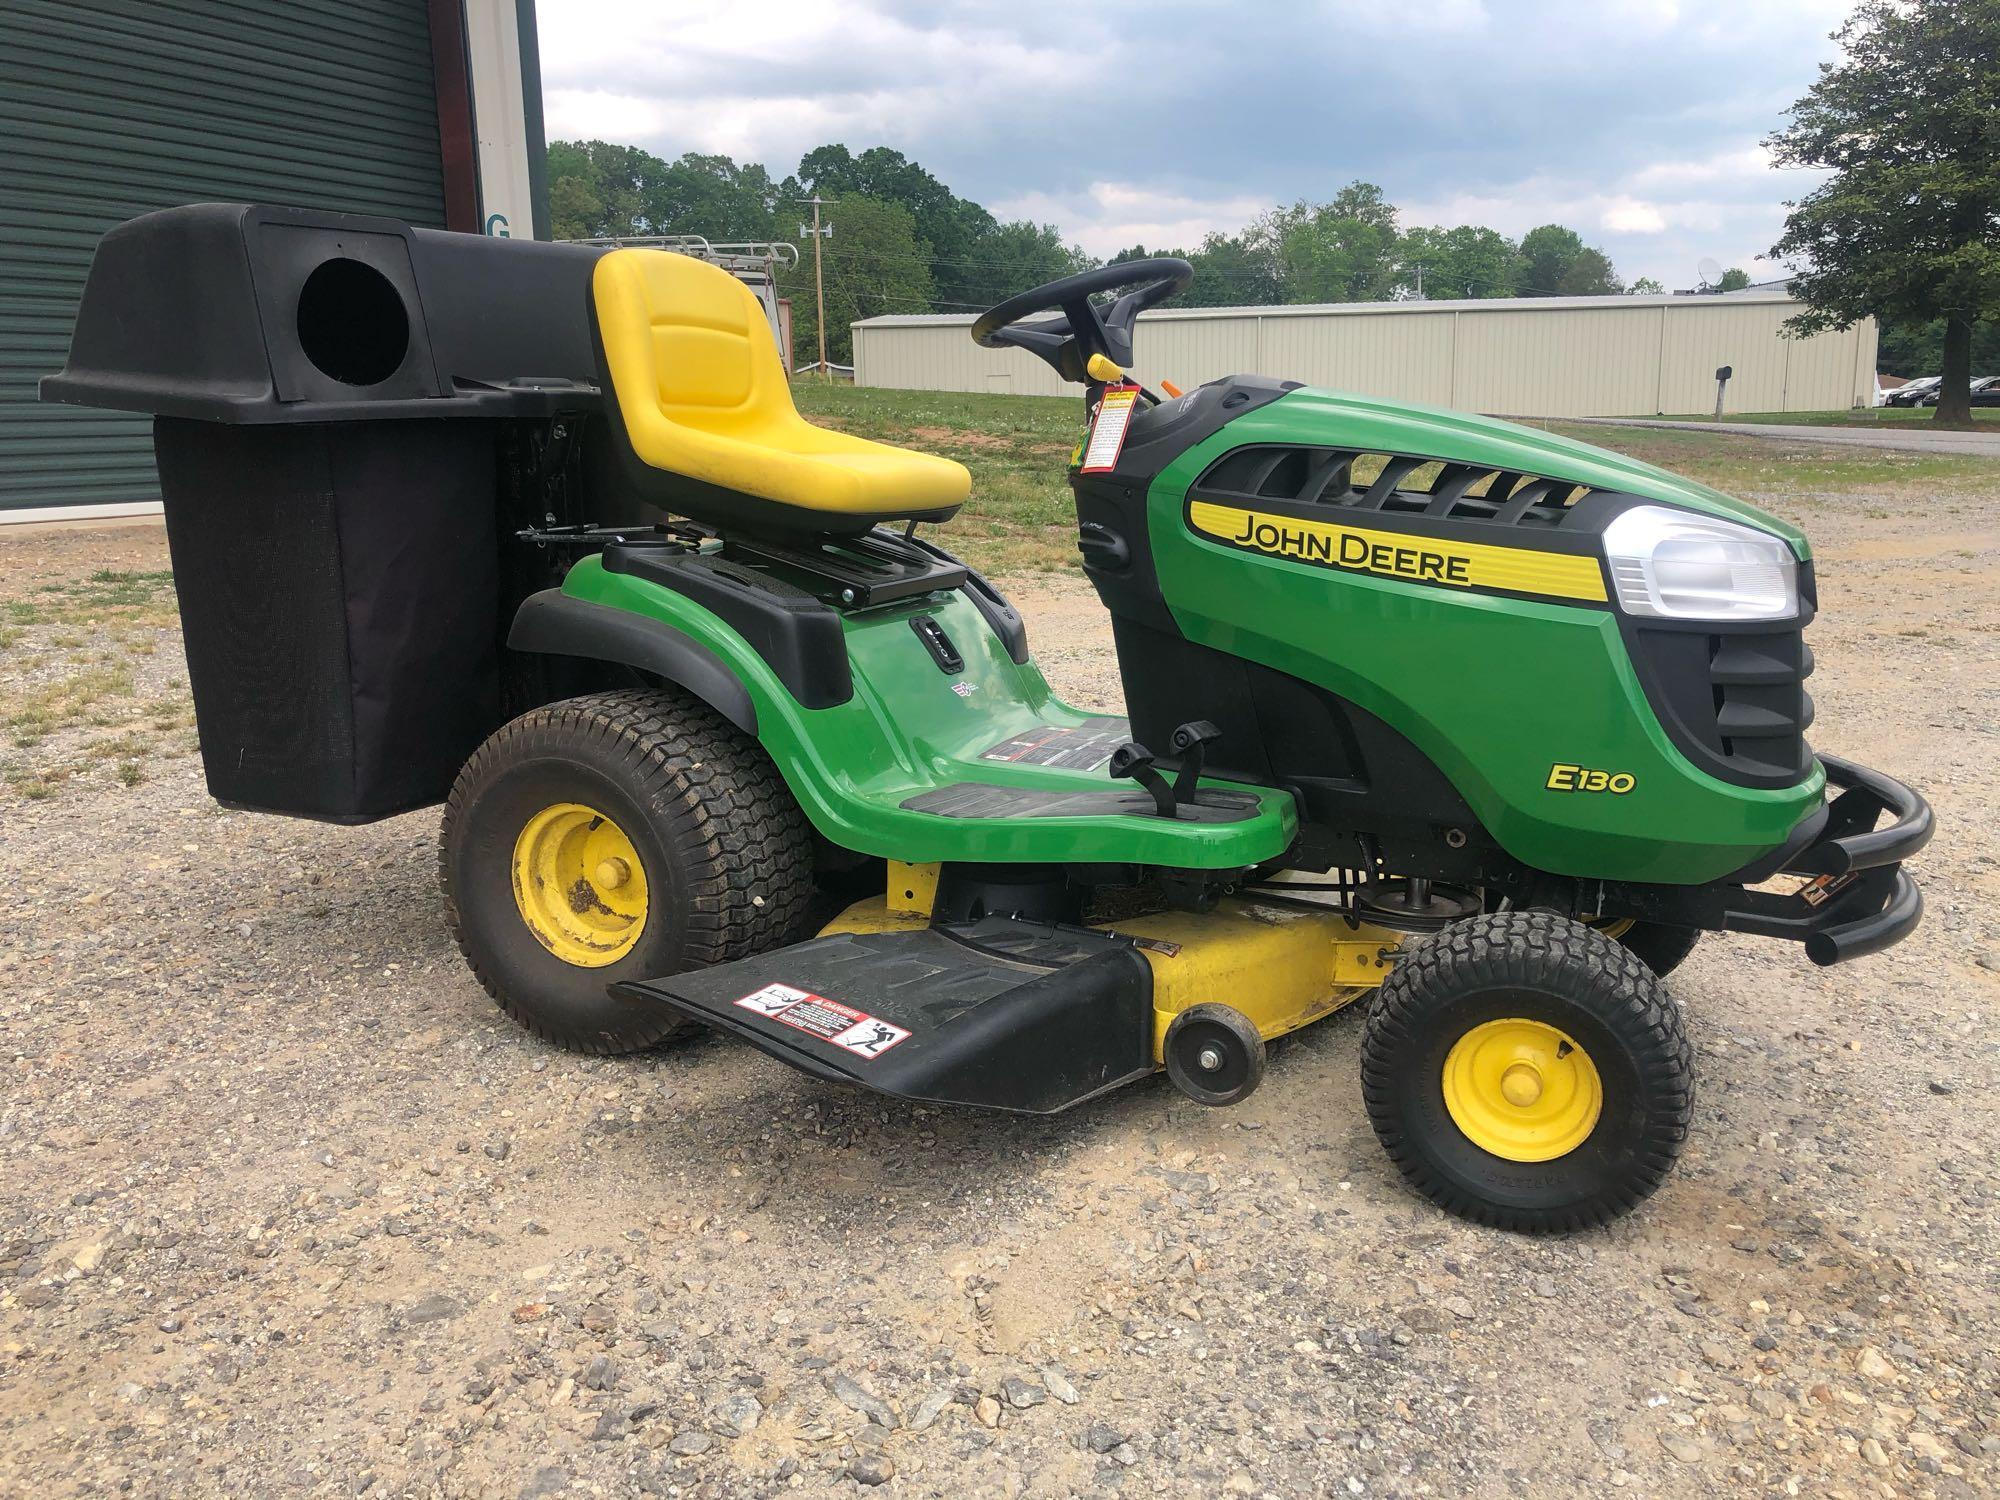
691 365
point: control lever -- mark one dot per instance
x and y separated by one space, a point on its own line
1132 761
1191 742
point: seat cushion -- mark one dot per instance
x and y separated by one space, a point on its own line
696 380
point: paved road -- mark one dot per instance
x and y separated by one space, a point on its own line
1920 440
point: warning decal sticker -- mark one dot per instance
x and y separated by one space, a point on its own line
1107 433
847 1028
870 1037
773 998
1088 747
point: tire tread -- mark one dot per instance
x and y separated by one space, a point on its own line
1522 948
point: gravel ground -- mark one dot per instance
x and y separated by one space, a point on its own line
286 1206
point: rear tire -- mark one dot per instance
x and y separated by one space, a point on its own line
1600 1109
724 860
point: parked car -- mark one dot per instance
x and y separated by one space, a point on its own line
1985 392
1910 392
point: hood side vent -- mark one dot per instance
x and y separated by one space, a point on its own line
1391 483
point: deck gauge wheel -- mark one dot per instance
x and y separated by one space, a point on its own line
1214 1054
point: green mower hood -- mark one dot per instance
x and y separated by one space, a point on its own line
1458 437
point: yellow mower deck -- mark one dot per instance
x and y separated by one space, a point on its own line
1283 965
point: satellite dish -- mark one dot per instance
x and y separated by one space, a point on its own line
1710 272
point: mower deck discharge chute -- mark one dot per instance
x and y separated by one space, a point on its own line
1480 725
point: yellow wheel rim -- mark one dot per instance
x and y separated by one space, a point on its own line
579 884
1614 927
1522 1090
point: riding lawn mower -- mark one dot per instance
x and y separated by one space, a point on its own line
1477 724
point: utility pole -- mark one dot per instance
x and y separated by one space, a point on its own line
819 285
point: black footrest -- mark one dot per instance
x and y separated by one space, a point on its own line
996 1014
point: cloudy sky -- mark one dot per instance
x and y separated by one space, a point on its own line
1636 121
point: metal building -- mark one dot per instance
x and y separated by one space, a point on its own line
427 111
1529 356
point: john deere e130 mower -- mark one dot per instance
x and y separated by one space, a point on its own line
1480 724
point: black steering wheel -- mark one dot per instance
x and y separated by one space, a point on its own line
1080 328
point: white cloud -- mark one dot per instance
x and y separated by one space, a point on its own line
1635 121
1437 17
700 75
1630 216
1110 216
589 113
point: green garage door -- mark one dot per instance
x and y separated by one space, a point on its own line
109 108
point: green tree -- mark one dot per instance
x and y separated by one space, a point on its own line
1908 226
712 196
1228 272
1340 251
1732 280
1913 349
597 188
961 263
1231 272
1020 255
1645 286
875 263
1556 262
575 210
1467 261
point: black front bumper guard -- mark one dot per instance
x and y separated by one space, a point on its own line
1857 900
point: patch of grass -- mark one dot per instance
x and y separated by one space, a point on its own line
69 700
1020 517
37 782
105 599
69 690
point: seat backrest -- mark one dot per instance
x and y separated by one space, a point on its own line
701 415
686 346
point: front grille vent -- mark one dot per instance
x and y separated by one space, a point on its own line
1391 483
1734 701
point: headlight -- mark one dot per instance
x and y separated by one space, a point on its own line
1675 565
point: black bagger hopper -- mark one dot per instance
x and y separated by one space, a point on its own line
352 418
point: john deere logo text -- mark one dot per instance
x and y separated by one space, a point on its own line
1564 777
1352 550
1398 555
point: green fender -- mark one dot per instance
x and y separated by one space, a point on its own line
910 728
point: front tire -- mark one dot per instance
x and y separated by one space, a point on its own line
617 836
1526 1072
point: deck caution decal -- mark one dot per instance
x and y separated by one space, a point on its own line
845 1027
